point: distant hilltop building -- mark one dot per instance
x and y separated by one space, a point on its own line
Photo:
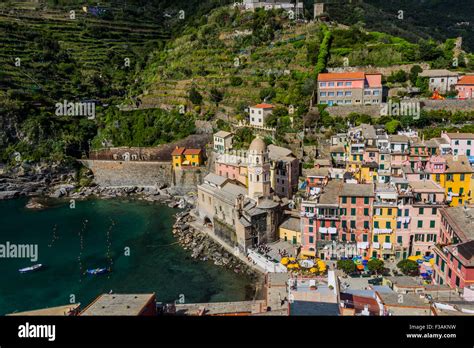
318 10
353 88
288 5
259 114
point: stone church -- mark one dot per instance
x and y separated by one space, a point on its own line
243 216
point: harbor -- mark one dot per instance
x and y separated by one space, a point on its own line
131 238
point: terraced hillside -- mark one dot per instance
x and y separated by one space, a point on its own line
90 49
248 57
239 56
47 56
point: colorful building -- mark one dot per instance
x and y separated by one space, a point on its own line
455 178
290 230
320 218
454 255
183 157
385 211
460 143
425 216
355 202
353 88
465 87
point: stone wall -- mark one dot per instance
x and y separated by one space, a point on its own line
130 173
187 179
448 104
344 110
386 71
425 104
143 174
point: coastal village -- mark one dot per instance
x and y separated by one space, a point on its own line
332 239
367 222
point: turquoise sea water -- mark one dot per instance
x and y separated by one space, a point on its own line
98 233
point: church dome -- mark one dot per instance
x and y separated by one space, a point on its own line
258 146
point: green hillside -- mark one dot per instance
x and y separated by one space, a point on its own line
433 19
215 61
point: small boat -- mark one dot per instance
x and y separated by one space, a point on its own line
31 268
97 271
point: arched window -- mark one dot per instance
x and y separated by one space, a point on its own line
258 178
257 159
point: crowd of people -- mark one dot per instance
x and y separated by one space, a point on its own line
263 249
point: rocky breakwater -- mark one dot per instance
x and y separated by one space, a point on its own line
203 248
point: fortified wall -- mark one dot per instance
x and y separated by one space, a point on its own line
130 173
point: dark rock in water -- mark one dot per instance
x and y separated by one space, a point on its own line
35 204
9 194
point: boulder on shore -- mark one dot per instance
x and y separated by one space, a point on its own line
9 194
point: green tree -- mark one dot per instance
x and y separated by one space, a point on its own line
347 266
397 76
267 93
195 97
414 71
236 81
376 266
216 95
393 126
409 267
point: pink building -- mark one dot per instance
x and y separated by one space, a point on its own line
232 167
425 216
454 257
320 219
460 143
284 171
316 179
353 88
436 165
371 154
356 202
465 87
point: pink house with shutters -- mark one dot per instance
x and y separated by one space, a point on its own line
465 87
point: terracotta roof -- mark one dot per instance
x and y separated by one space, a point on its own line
466 80
264 106
178 151
192 151
374 80
341 76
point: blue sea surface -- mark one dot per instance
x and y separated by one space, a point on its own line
133 238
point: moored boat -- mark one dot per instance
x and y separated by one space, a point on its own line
31 268
97 271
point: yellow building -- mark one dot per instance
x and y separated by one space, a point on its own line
456 180
183 157
384 221
290 231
